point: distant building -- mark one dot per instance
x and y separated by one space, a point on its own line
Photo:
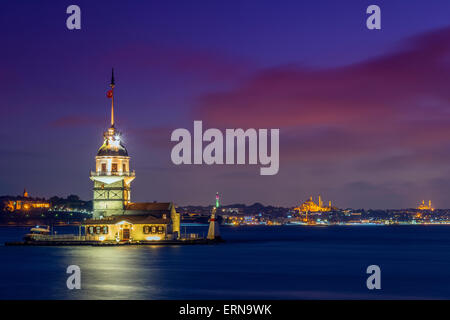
423 206
24 203
232 211
310 206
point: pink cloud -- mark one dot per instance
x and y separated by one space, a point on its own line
395 103
390 89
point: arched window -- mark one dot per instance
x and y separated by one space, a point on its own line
105 229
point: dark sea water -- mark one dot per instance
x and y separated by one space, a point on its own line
286 262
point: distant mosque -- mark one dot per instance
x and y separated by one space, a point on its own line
310 206
424 206
115 217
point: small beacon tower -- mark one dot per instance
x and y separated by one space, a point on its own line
213 231
112 176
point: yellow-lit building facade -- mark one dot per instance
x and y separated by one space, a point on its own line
134 227
311 206
25 203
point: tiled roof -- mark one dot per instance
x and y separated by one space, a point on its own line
133 219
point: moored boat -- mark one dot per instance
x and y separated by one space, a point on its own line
37 233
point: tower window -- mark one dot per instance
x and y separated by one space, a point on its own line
114 167
103 167
124 167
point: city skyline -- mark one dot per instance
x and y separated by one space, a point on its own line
363 115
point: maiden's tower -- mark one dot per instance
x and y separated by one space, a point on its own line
115 217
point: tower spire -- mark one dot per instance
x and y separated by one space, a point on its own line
112 97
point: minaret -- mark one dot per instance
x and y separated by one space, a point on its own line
112 176
213 231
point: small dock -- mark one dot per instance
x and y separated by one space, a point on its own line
112 243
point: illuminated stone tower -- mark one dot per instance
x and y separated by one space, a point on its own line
213 231
112 176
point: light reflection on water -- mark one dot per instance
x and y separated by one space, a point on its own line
122 272
257 262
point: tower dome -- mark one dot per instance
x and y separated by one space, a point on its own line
112 145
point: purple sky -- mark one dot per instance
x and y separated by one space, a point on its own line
364 116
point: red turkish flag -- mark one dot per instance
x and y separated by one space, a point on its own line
109 94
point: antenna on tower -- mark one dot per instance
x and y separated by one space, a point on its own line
112 85
112 78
